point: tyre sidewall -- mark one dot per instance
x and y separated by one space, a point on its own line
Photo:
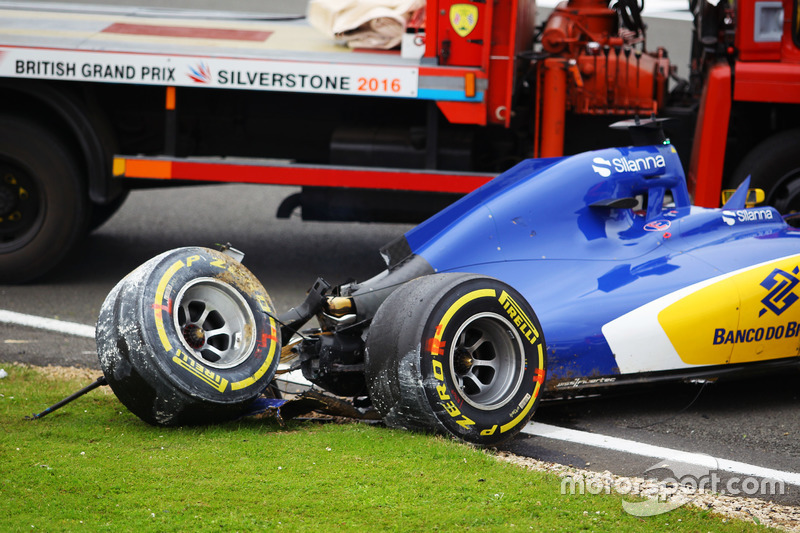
63 215
165 354
478 296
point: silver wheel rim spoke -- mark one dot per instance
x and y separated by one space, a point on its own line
487 361
223 334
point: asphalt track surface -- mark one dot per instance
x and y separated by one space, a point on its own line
754 422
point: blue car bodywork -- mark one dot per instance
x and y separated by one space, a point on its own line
574 273
629 280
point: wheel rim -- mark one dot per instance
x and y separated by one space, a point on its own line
487 361
214 323
20 211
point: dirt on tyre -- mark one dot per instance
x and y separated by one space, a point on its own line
188 338
43 200
456 354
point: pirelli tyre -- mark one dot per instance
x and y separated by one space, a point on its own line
457 354
188 338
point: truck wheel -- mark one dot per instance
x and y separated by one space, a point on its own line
774 166
188 338
42 200
457 354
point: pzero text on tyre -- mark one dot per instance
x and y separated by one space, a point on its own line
43 201
187 338
458 354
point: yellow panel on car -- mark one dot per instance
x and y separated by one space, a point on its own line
768 323
690 323
749 316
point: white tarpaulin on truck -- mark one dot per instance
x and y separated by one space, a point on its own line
363 23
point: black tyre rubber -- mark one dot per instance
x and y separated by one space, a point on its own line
188 338
43 201
457 354
774 166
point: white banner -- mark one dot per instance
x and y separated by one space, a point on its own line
225 73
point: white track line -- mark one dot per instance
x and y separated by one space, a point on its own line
50 324
648 450
534 428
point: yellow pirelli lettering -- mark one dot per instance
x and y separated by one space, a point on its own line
219 263
442 390
438 370
465 422
158 303
192 259
518 316
207 376
262 302
489 431
452 409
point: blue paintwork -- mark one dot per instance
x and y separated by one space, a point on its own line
580 266
451 95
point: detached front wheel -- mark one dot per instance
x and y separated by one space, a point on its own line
458 354
187 338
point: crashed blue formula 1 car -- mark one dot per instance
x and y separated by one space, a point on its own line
560 276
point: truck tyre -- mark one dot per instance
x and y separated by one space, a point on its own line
774 166
188 338
43 201
456 354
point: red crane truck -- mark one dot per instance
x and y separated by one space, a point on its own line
97 101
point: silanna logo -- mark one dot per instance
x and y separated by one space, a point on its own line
780 284
200 73
602 166
746 215
624 164
729 217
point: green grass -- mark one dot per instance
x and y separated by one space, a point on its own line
93 466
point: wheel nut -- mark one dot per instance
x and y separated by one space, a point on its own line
194 335
462 362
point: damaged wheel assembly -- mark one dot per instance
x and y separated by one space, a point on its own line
446 339
188 337
458 354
